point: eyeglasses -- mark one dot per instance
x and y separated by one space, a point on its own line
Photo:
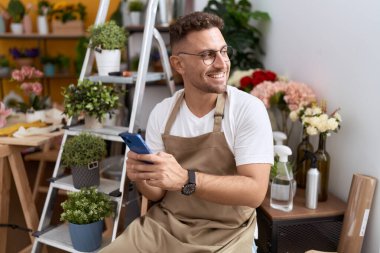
209 56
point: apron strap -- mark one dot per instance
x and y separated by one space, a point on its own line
219 112
174 113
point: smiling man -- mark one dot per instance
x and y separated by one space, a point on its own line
212 148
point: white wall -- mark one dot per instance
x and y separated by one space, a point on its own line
334 46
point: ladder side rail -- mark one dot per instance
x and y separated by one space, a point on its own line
144 61
89 58
165 61
47 211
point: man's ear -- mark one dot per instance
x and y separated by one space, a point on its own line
176 63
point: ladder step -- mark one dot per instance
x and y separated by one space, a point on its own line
150 77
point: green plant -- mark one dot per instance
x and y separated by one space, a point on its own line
136 5
94 99
107 36
3 62
16 10
43 7
83 149
67 12
86 206
63 62
239 31
48 59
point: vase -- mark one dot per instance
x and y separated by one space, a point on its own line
2 24
32 116
27 24
108 61
323 165
86 176
303 165
135 17
91 122
86 237
16 28
49 69
42 25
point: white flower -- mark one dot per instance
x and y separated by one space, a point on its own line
332 124
337 117
310 130
237 75
293 115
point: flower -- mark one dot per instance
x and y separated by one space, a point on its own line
248 79
4 113
317 121
24 53
28 77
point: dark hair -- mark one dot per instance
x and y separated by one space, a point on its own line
195 21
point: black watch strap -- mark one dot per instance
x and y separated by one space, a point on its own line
189 188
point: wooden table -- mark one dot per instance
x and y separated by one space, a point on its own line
11 163
302 228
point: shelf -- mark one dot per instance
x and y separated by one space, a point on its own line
106 185
59 237
150 77
34 36
110 133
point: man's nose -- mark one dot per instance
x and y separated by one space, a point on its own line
219 60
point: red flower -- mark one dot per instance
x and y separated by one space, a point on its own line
260 76
271 76
246 83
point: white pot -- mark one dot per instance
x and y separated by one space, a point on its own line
108 61
42 25
16 28
92 122
135 17
35 116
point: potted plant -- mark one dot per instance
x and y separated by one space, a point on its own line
48 64
85 212
135 8
16 10
107 40
24 56
67 18
63 64
93 99
83 153
43 8
4 66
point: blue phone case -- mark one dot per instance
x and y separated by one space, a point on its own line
135 143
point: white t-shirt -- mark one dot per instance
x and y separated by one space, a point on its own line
246 126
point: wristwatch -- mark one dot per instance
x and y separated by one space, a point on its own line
189 188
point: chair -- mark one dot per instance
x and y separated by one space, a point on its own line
356 215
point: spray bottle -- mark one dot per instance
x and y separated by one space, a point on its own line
312 182
283 184
279 137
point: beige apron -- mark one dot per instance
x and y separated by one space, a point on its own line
187 224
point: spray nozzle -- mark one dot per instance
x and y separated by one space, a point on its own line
311 156
279 137
283 152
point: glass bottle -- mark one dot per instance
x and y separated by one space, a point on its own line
302 165
323 165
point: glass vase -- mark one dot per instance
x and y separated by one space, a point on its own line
323 165
302 164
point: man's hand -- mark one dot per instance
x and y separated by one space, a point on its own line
162 170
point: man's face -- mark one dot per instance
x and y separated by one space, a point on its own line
195 73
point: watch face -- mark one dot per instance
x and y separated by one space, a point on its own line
188 189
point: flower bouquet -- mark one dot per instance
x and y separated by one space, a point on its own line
28 77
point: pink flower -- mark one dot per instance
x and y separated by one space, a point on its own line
37 88
4 113
17 75
27 88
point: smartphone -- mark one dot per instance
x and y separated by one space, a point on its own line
135 143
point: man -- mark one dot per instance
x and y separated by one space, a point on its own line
213 151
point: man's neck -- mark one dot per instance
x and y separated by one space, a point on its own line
200 104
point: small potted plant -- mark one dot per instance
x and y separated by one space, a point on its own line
63 64
83 153
85 212
67 18
4 66
107 40
16 10
48 64
43 8
93 99
136 7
